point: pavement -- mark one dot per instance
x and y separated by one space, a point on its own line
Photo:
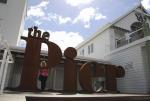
20 96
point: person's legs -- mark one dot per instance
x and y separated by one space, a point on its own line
43 82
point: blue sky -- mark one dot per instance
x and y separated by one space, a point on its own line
72 21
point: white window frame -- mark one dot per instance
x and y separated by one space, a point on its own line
82 51
92 48
89 49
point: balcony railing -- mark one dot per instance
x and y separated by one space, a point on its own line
133 36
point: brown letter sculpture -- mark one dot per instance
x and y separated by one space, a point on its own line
85 77
88 70
32 58
70 70
110 72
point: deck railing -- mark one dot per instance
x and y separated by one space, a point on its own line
6 59
133 36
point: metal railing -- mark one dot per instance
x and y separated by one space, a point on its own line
133 36
6 59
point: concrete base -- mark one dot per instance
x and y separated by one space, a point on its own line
51 96
90 98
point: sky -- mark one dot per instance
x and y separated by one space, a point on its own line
70 22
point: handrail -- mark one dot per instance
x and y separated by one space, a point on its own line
8 50
7 58
127 40
136 31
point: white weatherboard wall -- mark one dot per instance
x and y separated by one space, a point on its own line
54 81
101 45
58 78
127 21
133 59
12 15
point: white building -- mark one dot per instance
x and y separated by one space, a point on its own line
12 16
125 42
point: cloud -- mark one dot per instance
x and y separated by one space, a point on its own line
38 10
99 16
53 17
63 20
85 16
88 14
146 4
78 2
62 38
38 22
66 39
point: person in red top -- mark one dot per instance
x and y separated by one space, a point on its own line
43 74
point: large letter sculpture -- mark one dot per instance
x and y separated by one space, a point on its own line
88 70
32 58
70 70
109 72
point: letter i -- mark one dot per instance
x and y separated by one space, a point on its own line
70 70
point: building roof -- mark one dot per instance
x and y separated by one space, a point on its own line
105 27
19 51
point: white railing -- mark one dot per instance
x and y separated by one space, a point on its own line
128 39
6 59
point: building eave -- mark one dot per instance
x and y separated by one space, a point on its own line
21 50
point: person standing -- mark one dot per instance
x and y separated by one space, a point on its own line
43 74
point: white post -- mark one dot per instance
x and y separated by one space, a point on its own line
2 64
2 69
4 76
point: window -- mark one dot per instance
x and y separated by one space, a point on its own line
82 51
135 26
137 32
3 1
90 48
